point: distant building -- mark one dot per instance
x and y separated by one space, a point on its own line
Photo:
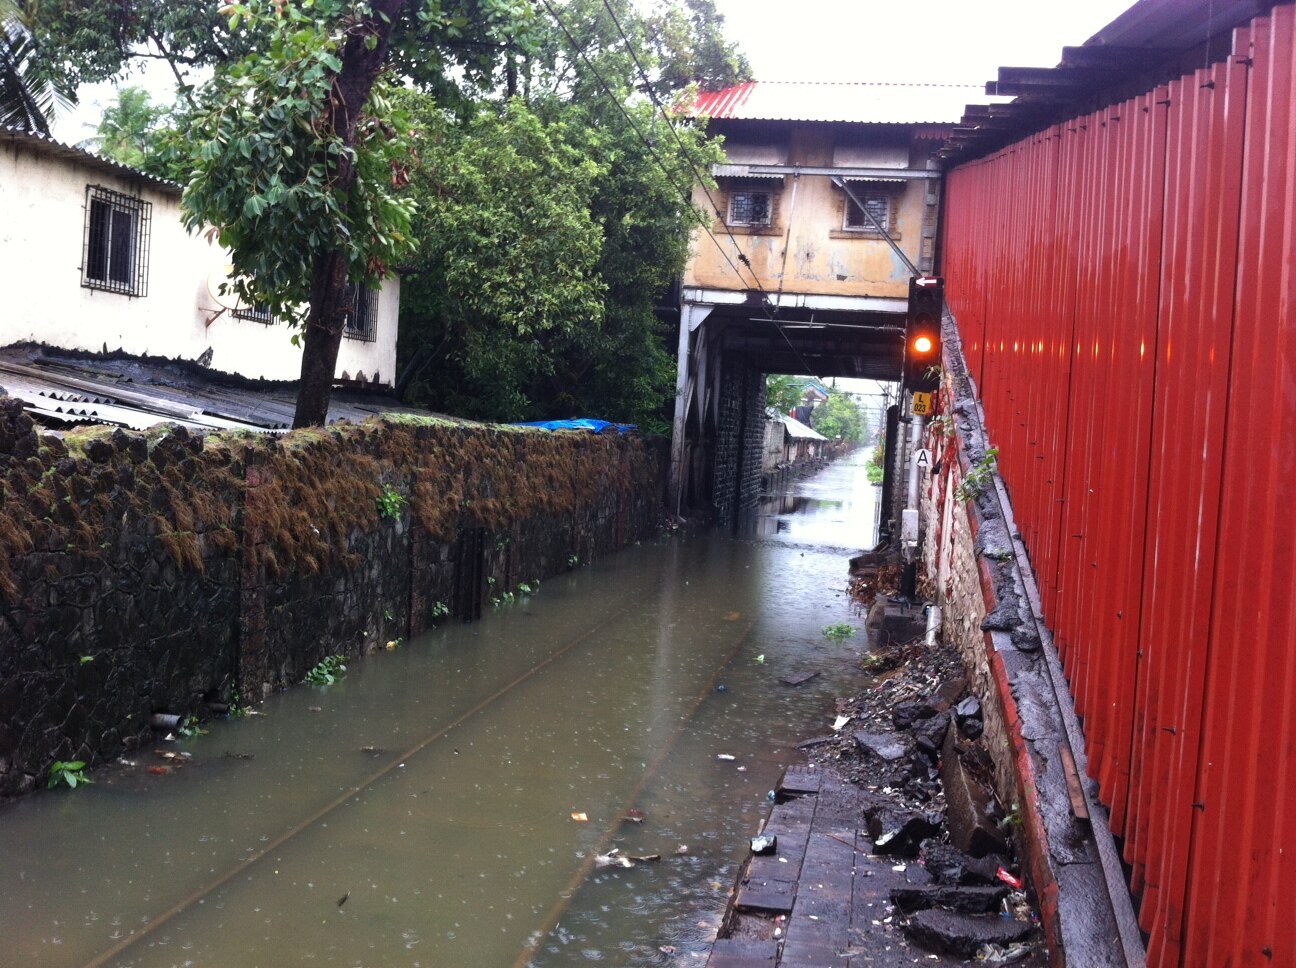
96 258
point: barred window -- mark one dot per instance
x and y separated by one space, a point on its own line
116 243
750 208
879 206
362 320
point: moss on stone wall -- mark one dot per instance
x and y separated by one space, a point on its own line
185 565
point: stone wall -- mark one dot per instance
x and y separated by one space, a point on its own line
740 444
169 571
977 568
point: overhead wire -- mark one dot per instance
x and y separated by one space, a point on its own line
686 195
770 310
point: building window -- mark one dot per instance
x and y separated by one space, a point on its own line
753 208
362 320
879 206
116 243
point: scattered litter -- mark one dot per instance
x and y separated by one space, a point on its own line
343 899
314 709
993 954
579 817
900 868
634 815
159 770
742 769
760 659
733 616
727 757
764 844
1014 882
612 858
800 679
666 949
682 849
645 858
839 722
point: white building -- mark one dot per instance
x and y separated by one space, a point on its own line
93 256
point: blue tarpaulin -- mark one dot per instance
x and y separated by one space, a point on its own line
578 423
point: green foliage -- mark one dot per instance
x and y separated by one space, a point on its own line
70 773
876 468
266 159
550 231
327 671
840 417
573 561
390 503
28 96
978 476
440 610
783 392
131 128
838 631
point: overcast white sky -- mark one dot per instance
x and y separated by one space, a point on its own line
935 41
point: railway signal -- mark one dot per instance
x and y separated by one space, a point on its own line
923 333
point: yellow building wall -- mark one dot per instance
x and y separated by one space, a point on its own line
805 249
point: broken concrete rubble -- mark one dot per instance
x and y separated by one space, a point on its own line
962 935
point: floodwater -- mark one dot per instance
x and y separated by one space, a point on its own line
442 805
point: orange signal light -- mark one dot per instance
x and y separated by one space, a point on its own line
923 344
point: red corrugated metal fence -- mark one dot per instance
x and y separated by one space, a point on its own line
1125 286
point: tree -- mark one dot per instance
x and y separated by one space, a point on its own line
27 97
612 359
509 257
840 417
298 157
128 130
783 393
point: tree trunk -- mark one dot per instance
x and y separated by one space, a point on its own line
330 293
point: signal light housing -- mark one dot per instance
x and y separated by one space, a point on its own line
923 333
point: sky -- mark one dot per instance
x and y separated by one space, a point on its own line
933 41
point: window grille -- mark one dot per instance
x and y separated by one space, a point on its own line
879 206
115 247
362 320
750 208
257 313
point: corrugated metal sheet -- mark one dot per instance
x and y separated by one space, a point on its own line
69 389
1125 284
57 149
861 103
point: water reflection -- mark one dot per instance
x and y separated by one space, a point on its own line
435 788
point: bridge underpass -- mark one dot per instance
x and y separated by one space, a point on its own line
729 343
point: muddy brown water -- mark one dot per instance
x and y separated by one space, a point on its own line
435 787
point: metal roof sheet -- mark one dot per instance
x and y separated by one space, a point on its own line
57 149
856 102
62 389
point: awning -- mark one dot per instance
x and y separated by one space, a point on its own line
875 181
741 171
